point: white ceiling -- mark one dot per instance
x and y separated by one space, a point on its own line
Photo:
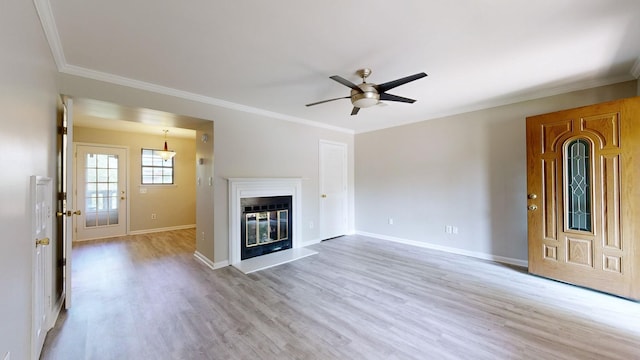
273 57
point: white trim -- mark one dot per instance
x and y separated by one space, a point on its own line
206 261
43 8
258 187
53 38
159 89
157 230
310 242
47 20
452 250
50 29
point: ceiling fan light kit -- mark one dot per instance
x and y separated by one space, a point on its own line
365 95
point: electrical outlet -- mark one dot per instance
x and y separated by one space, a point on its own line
390 221
203 235
448 229
455 230
153 216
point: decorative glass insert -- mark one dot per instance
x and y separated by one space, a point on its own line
579 185
101 183
155 170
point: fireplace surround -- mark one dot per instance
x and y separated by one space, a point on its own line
243 188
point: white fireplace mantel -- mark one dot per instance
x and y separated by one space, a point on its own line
260 187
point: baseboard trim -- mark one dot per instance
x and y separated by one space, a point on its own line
475 254
212 265
156 230
310 242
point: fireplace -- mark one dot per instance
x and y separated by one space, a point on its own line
243 193
266 225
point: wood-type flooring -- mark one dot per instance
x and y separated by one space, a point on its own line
147 297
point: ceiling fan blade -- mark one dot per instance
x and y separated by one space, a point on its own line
355 111
389 97
345 82
324 101
395 83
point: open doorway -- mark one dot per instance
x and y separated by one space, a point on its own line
151 207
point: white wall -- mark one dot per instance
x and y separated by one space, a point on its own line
244 145
27 145
466 170
253 146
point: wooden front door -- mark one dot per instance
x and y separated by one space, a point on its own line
583 196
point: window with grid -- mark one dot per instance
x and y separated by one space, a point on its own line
155 170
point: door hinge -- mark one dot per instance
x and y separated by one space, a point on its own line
62 262
64 130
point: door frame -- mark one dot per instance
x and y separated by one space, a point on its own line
126 183
345 184
68 169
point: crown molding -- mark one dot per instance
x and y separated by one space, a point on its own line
164 90
47 20
635 69
43 8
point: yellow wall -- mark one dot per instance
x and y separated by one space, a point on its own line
174 205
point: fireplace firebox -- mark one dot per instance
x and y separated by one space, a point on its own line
266 225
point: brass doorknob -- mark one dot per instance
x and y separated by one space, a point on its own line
77 212
532 207
43 241
324 195
532 196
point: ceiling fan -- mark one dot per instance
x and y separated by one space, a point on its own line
368 94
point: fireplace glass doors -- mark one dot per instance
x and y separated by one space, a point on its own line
266 225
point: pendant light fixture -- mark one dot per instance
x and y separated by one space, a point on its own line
166 154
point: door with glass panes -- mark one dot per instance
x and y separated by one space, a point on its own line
101 192
583 196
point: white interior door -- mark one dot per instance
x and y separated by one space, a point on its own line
42 232
333 189
101 183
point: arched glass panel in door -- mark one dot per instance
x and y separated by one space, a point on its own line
578 189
